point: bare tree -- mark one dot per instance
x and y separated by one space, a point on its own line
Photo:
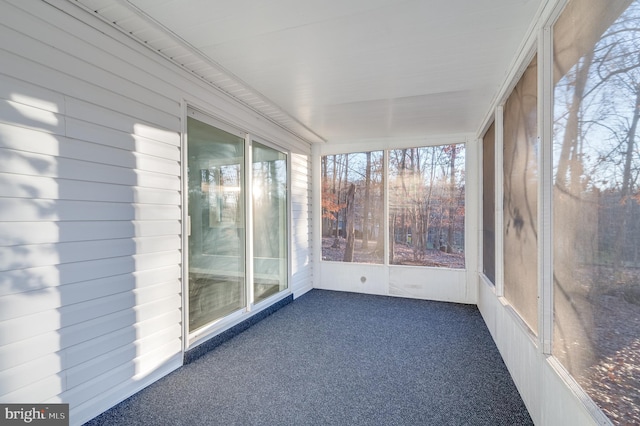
367 203
349 224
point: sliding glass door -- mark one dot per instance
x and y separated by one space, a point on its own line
216 212
229 269
269 221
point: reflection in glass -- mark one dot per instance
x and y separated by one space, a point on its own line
520 169
596 201
488 204
352 207
269 191
216 211
426 206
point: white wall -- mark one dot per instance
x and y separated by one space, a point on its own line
301 222
551 396
90 207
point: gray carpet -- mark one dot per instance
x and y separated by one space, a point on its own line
332 358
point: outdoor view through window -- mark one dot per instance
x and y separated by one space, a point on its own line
596 201
426 207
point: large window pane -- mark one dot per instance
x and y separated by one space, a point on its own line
488 204
352 207
426 206
216 211
596 202
521 197
269 190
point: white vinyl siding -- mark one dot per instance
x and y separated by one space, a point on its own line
91 207
301 280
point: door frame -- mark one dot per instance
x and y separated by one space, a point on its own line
192 339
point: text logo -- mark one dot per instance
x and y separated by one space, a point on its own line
34 414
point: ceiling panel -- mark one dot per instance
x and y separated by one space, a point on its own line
356 68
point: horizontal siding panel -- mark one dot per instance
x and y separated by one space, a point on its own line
300 180
92 113
19 257
300 161
95 328
42 390
158 307
23 186
149 294
300 175
18 91
28 373
29 349
27 303
20 145
61 150
167 148
30 117
71 41
21 210
47 343
111 396
301 168
132 371
26 233
98 386
301 225
77 324
30 140
30 279
301 187
79 374
93 143
96 307
65 168
151 360
157 260
300 211
301 191
155 164
65 75
90 349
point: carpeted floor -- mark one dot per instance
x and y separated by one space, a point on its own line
331 358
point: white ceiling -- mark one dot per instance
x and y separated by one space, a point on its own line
348 69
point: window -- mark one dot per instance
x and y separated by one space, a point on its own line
488 204
426 206
269 191
352 207
520 209
596 201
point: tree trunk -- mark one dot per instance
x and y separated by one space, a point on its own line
349 224
452 198
336 197
568 168
625 203
365 219
379 251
